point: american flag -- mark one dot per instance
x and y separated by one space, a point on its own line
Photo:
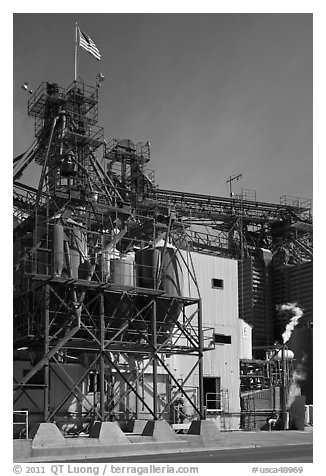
88 44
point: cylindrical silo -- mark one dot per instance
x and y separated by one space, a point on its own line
74 262
79 239
159 268
122 271
171 274
86 270
78 249
171 282
117 306
147 262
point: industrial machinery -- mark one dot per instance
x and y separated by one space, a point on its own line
99 266
97 278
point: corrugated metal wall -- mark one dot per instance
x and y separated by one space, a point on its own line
255 299
220 311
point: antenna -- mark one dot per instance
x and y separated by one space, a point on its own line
231 179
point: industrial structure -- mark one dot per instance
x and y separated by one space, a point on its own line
133 302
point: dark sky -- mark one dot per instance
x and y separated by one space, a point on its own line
215 94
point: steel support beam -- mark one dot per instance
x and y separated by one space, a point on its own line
48 356
200 361
46 351
102 359
154 356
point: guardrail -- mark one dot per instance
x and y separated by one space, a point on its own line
20 423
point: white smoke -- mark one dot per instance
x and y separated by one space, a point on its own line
296 312
298 376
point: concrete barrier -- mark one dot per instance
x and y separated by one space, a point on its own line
46 435
135 426
81 449
108 432
160 430
207 429
203 434
22 450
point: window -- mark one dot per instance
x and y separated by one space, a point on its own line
217 283
222 339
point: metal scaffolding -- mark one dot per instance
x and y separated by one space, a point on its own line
78 295
119 323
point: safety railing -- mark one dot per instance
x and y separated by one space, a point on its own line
213 401
183 414
20 424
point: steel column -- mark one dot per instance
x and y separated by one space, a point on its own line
154 342
46 351
102 361
200 361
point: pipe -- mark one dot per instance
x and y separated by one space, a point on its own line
200 363
154 342
283 389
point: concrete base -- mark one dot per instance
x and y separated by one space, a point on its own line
135 426
22 450
109 433
160 430
47 434
208 430
83 448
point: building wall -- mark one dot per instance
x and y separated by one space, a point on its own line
245 340
255 299
220 313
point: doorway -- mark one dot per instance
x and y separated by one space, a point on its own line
212 395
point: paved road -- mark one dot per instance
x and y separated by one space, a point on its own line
274 454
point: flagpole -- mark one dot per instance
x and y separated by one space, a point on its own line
76 51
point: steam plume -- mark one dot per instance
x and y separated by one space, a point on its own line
296 312
298 376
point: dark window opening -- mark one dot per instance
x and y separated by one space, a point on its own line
217 283
222 339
